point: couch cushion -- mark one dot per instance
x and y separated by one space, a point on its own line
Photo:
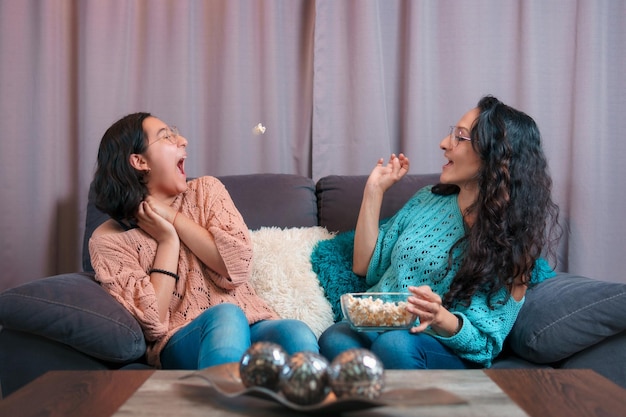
73 309
339 198
608 358
25 356
566 314
281 200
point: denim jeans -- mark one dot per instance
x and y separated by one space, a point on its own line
222 334
397 349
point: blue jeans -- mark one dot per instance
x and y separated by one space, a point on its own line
397 349
222 334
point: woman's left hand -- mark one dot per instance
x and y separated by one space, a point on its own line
154 224
426 305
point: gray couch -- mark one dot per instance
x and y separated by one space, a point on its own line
67 322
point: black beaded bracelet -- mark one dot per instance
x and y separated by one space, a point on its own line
164 272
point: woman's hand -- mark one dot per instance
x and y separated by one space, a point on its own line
366 232
162 209
427 306
151 221
383 177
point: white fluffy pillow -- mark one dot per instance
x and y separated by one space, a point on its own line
282 274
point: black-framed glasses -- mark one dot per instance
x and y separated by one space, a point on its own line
458 134
171 135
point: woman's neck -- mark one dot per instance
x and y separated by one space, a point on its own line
465 199
165 198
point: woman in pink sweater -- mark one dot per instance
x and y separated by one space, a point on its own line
178 254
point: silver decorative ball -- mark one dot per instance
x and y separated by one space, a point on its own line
357 373
261 365
304 379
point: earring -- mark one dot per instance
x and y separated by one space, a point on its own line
148 171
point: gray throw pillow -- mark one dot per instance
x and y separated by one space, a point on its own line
566 314
73 309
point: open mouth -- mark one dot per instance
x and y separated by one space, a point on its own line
181 166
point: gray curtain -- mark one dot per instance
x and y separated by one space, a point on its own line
336 83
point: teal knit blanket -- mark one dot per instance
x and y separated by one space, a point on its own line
332 262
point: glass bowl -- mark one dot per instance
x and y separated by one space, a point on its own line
377 311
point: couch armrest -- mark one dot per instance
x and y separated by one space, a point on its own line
74 310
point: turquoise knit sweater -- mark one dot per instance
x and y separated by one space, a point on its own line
412 249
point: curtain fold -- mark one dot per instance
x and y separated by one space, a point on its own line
596 198
337 84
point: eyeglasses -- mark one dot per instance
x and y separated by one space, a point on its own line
458 134
171 135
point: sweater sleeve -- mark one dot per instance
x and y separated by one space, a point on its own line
484 329
232 237
388 233
118 269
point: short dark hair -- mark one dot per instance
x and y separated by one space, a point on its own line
118 186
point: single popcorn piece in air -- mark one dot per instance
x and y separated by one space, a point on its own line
258 129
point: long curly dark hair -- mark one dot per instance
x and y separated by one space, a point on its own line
119 188
516 219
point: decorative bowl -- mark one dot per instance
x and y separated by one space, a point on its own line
377 311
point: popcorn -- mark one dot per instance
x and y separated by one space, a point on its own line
374 312
258 129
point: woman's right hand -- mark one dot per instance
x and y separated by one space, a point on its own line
383 177
154 224
366 232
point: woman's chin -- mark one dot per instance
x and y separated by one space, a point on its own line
182 187
444 178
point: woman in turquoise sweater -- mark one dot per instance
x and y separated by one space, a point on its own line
465 249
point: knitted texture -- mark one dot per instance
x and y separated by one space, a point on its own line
122 261
412 250
332 262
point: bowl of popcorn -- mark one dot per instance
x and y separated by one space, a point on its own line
377 311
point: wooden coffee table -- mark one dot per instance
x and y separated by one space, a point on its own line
495 392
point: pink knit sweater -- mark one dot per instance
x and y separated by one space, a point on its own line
122 261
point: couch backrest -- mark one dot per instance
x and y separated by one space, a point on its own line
339 198
289 200
281 200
